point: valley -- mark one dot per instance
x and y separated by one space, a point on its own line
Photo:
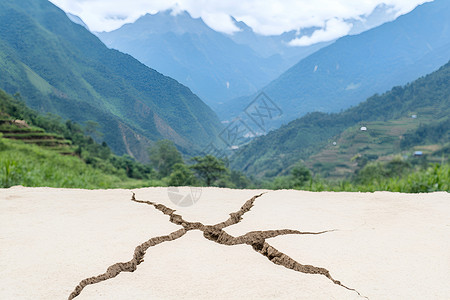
378 77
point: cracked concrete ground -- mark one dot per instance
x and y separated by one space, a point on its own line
215 233
386 246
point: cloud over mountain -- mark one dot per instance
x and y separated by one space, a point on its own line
267 17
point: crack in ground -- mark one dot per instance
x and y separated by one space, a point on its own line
215 233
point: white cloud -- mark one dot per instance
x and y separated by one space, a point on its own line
332 30
264 16
220 22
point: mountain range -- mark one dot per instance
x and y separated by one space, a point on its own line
185 48
357 66
215 65
60 67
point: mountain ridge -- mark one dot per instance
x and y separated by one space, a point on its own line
210 63
355 67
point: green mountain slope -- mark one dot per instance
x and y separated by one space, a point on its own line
60 67
40 150
387 118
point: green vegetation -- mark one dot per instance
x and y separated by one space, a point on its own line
70 158
84 163
202 171
72 138
62 68
31 165
182 175
164 156
78 161
381 142
410 175
394 176
391 130
434 133
209 169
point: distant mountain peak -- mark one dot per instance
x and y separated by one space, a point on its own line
382 13
175 12
171 20
241 25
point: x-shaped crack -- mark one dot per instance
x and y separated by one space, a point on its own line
215 233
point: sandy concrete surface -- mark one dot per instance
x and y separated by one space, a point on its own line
384 245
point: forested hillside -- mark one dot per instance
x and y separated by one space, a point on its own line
43 150
60 67
427 98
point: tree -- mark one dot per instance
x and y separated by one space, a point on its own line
300 175
371 173
163 156
181 175
209 168
91 128
397 167
239 180
281 183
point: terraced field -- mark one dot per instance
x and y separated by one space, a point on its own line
380 142
20 130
